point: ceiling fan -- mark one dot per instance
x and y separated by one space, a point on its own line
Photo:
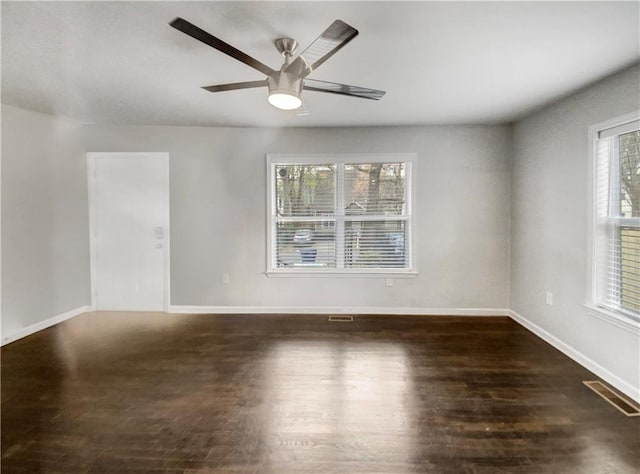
286 84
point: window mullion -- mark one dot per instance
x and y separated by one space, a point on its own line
340 205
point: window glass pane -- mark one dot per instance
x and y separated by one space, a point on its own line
630 268
305 190
618 248
629 159
305 244
374 188
375 244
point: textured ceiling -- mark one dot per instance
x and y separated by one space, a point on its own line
120 62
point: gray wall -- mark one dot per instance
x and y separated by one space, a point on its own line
549 222
218 214
45 248
483 191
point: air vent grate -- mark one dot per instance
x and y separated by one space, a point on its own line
625 406
340 319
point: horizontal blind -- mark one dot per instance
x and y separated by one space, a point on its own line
629 280
375 209
618 214
375 244
304 233
375 189
305 244
305 190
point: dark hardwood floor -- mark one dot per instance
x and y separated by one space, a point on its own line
140 392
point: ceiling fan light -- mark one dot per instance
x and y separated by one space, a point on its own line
284 100
285 90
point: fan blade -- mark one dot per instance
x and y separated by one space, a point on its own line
343 89
208 39
235 86
326 45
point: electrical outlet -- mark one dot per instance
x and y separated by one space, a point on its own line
388 282
549 298
225 278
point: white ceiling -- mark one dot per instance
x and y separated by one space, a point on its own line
120 62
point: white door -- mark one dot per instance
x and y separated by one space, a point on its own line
130 230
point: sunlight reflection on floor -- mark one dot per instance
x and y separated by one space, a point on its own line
345 397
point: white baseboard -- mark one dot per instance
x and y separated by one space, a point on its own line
579 357
338 310
39 326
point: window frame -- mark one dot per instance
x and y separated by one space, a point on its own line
595 305
410 160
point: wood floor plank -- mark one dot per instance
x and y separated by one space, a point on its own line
153 392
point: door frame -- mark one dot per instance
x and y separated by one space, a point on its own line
91 188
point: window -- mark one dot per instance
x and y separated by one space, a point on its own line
347 214
617 218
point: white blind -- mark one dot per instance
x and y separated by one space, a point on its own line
342 216
618 218
305 190
375 209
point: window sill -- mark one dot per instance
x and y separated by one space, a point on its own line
614 318
334 274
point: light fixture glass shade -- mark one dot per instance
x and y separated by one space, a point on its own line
284 101
285 90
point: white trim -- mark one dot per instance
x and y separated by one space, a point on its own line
340 159
332 273
91 183
344 158
592 274
614 122
39 326
605 374
271 202
614 318
412 235
624 221
624 126
91 197
369 310
167 240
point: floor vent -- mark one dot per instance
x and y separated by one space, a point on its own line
625 406
341 319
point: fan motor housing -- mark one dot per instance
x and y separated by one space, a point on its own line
281 82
